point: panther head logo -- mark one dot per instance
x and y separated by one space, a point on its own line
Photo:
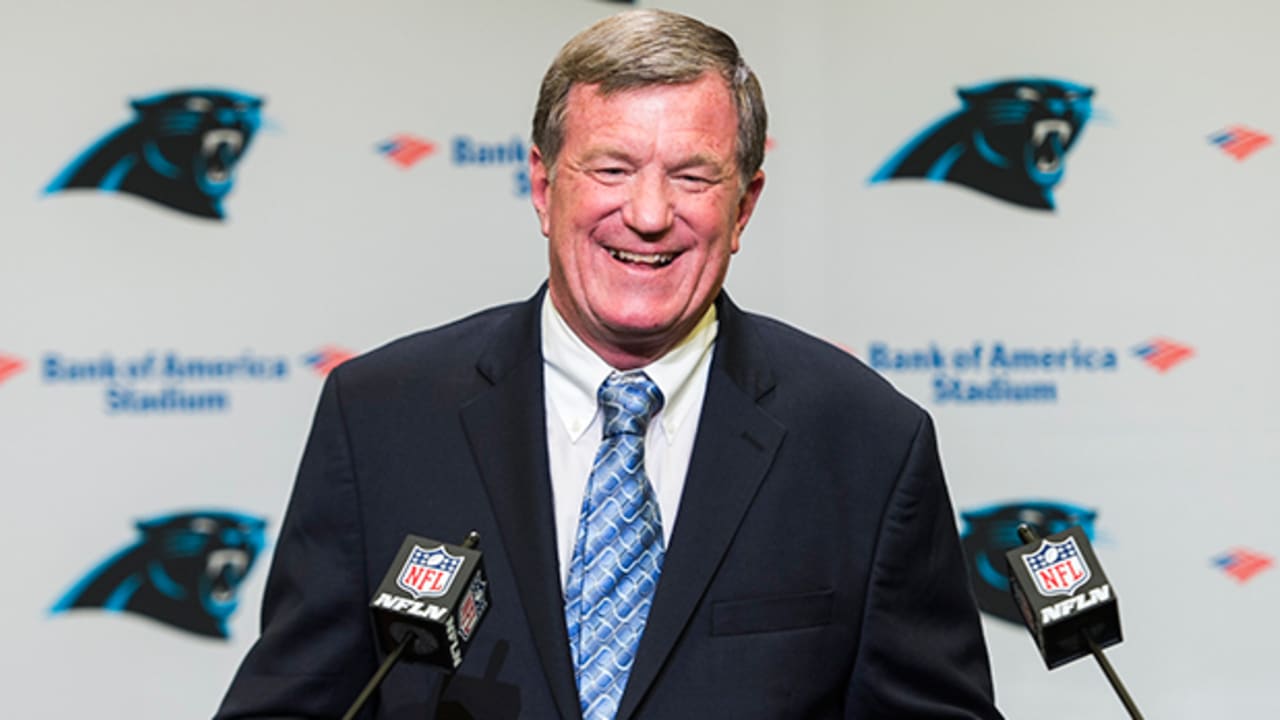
1009 140
992 531
180 150
184 570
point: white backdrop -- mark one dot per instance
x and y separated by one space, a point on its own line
1158 233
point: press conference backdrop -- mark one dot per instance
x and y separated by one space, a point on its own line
1052 225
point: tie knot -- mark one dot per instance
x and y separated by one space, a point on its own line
628 402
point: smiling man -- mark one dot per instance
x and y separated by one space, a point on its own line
688 511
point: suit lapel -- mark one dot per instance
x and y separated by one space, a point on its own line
734 449
506 429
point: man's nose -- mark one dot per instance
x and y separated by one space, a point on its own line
649 209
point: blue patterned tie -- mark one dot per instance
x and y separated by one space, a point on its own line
618 553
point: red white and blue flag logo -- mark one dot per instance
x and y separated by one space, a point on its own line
1242 564
406 150
1057 567
9 366
428 573
325 359
1239 141
1163 353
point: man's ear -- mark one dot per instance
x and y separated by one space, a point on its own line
540 187
746 206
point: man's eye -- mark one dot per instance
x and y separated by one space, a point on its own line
694 179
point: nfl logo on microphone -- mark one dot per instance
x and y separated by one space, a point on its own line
1057 567
473 606
428 573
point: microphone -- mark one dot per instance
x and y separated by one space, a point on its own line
1066 601
434 594
1063 594
427 607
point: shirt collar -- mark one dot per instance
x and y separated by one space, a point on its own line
575 372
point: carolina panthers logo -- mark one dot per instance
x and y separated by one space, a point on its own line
181 151
992 531
184 570
1008 140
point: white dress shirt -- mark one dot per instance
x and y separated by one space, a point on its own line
572 374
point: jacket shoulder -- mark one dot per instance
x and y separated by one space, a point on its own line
444 356
811 370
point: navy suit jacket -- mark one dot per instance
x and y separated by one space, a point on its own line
813 570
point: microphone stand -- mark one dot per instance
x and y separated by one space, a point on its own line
1112 677
1028 536
372 686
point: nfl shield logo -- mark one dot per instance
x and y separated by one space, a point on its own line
1057 567
428 573
473 606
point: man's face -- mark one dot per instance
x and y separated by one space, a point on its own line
643 213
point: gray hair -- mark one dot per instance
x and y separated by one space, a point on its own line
640 48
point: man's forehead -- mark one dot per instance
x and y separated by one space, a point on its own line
705 105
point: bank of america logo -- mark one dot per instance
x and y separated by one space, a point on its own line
1242 564
10 366
325 359
1162 353
1239 141
406 150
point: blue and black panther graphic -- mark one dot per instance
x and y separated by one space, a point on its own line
184 571
180 150
992 531
1008 140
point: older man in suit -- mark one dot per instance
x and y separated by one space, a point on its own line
689 511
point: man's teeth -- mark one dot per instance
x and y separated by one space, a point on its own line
656 259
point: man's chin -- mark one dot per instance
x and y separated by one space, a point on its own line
645 335
630 328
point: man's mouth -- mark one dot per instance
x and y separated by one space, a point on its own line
656 260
